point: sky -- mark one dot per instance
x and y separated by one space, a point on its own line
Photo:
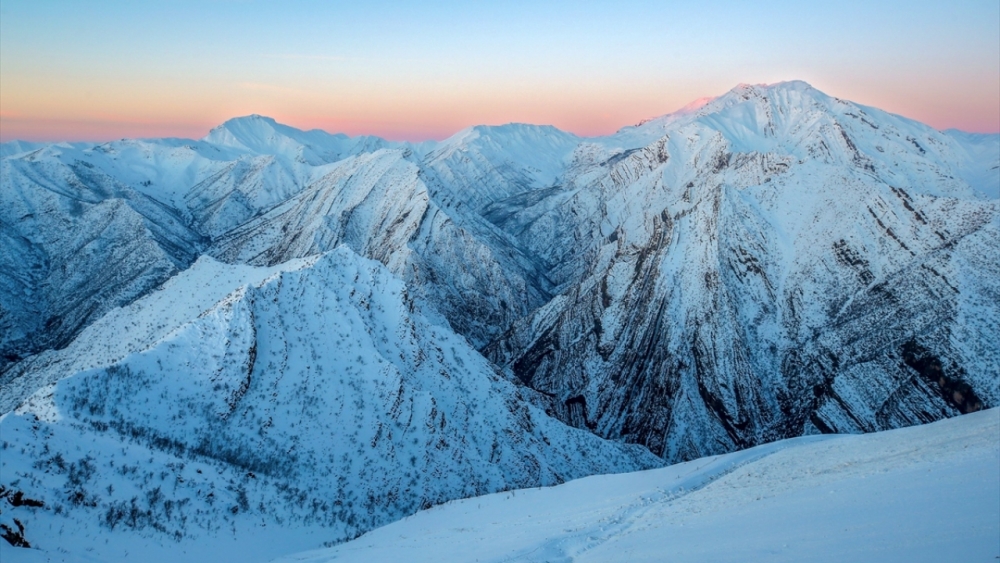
107 69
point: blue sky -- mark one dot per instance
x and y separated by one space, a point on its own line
425 69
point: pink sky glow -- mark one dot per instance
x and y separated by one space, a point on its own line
416 123
103 70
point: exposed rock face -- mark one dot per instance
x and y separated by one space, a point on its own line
777 263
770 263
77 243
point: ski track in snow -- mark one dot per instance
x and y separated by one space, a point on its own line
704 472
926 493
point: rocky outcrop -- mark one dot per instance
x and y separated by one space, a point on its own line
766 271
764 264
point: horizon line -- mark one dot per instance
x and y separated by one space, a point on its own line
403 133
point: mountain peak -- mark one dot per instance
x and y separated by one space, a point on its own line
260 134
742 92
794 85
790 92
253 117
245 132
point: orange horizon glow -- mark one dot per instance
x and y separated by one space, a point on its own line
431 123
105 70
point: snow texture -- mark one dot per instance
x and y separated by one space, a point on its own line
279 338
928 493
308 407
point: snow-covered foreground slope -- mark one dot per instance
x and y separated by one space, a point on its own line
928 493
311 404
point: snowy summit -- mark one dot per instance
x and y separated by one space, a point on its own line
513 344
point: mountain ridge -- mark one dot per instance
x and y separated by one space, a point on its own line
770 263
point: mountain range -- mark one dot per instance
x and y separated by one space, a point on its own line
290 337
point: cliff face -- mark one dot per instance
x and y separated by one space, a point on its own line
776 263
770 263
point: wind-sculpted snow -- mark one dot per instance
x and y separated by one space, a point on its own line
307 407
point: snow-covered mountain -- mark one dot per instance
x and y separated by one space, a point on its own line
762 265
774 263
256 134
77 241
308 406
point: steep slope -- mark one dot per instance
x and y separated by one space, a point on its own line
76 242
379 205
763 264
260 192
776 262
981 162
134 327
483 165
305 407
88 227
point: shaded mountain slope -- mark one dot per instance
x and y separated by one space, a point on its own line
765 270
767 263
310 405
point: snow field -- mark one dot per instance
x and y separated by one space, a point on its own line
927 493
